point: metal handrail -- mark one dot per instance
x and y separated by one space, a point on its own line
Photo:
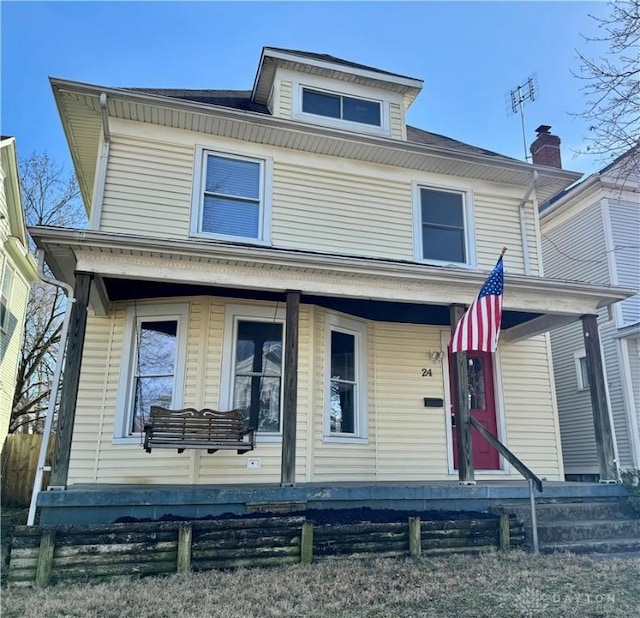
532 479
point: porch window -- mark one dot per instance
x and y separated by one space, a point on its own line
252 365
153 364
442 226
257 381
230 201
346 380
5 297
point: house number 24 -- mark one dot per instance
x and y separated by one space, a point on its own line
427 373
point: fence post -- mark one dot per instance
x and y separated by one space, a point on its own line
185 534
505 532
44 565
306 543
415 538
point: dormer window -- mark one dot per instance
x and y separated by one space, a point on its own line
341 107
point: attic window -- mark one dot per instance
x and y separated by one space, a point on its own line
341 107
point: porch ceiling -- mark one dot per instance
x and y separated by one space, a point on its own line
532 304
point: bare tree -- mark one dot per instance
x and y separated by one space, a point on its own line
612 84
50 197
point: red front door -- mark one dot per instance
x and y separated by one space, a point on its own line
482 406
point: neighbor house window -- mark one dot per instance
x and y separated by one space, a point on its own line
230 200
581 370
442 226
341 107
253 364
346 379
5 297
153 364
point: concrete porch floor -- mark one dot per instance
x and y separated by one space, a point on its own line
104 503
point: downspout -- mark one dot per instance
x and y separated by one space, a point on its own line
55 385
523 223
101 171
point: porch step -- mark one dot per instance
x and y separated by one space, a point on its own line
579 526
615 547
570 510
570 531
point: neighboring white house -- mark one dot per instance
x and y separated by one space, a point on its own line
213 213
17 272
591 232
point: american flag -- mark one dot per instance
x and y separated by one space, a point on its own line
479 327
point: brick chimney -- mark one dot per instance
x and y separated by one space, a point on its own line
545 150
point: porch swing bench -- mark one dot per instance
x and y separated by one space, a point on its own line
205 429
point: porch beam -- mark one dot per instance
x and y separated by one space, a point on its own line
599 401
461 403
70 380
290 394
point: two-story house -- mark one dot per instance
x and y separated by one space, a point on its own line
297 251
17 272
592 232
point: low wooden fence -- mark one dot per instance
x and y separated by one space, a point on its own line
19 462
44 555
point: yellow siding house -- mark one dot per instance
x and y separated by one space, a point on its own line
17 272
297 251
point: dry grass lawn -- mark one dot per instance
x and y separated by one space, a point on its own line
496 585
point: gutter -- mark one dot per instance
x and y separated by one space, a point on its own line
523 223
55 385
101 168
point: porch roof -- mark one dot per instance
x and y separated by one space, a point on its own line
542 303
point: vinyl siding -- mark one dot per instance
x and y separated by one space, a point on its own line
286 99
405 440
625 227
609 345
530 412
10 343
396 121
633 344
318 203
576 418
576 249
148 188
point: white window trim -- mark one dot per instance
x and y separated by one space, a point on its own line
179 312
469 225
256 313
197 197
7 267
576 359
358 330
340 89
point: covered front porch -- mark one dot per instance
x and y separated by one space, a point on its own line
404 314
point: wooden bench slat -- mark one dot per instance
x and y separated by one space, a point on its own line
197 429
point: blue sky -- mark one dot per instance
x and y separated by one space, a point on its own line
469 54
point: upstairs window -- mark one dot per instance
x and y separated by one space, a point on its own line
5 297
442 226
341 107
230 200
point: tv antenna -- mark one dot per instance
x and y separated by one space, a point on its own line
527 91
